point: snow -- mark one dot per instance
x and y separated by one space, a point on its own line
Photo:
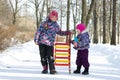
22 62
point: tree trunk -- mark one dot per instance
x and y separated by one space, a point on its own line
61 15
95 36
14 18
89 12
74 21
118 32
36 12
75 16
41 12
104 21
36 3
83 20
110 17
113 38
15 10
68 14
86 17
118 24
48 8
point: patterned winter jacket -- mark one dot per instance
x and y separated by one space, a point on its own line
83 41
47 35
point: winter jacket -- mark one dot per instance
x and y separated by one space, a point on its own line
46 35
83 41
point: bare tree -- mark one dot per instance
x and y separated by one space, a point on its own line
95 35
61 14
75 14
118 32
119 28
86 16
110 19
104 21
5 12
36 4
118 23
90 11
41 12
68 14
15 9
49 5
83 20
113 38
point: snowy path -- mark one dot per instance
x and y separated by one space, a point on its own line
21 62
102 66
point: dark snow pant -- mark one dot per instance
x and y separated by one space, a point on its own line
82 58
46 55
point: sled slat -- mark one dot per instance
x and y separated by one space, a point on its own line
62 53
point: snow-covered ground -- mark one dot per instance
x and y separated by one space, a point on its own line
22 62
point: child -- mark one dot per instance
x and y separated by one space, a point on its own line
81 43
45 37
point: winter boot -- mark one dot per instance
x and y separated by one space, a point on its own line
53 71
77 71
86 71
45 70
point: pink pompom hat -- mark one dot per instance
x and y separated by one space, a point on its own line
53 13
81 27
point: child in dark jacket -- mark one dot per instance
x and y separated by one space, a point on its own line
45 37
81 43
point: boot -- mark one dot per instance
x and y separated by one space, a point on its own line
53 71
45 70
77 71
86 71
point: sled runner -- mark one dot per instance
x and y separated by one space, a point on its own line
62 51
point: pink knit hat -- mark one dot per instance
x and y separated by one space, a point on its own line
81 27
53 13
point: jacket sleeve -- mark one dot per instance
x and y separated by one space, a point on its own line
38 32
62 33
84 41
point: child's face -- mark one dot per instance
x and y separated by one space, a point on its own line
54 18
77 31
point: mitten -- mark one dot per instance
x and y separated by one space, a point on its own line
76 39
75 47
75 44
68 32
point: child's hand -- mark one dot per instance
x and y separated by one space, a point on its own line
36 43
45 25
75 44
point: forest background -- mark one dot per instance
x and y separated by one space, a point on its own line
19 19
